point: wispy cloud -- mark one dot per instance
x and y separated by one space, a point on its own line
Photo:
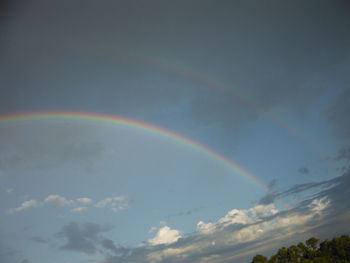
85 201
79 205
57 200
24 206
115 203
39 239
303 170
79 209
240 233
236 228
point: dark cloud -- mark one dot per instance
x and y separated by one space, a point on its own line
88 238
116 250
303 170
186 213
7 253
81 237
343 159
108 244
272 184
267 199
339 114
270 197
343 154
39 240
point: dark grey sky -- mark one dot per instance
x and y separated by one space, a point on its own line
98 56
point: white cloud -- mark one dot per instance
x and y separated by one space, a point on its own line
85 201
179 253
248 216
57 200
115 203
79 209
153 229
236 216
318 205
205 228
254 225
280 227
110 200
25 205
165 235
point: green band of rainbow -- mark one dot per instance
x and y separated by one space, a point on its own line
137 125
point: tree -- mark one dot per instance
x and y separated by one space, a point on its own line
260 259
312 243
335 251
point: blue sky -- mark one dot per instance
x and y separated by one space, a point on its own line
266 85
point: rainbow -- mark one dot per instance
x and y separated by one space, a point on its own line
137 125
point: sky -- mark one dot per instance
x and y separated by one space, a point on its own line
172 131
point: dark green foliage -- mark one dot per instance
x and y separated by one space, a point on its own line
336 250
260 259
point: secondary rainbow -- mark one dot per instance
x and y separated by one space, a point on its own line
208 80
137 125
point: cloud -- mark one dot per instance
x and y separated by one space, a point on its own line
165 236
303 170
319 205
7 253
85 201
267 199
339 115
116 250
343 154
241 233
39 239
79 209
239 218
270 197
221 240
205 228
80 205
109 245
88 238
24 206
57 200
272 184
115 203
186 212
81 237
247 216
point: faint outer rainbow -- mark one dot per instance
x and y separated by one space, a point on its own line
228 90
137 125
205 78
